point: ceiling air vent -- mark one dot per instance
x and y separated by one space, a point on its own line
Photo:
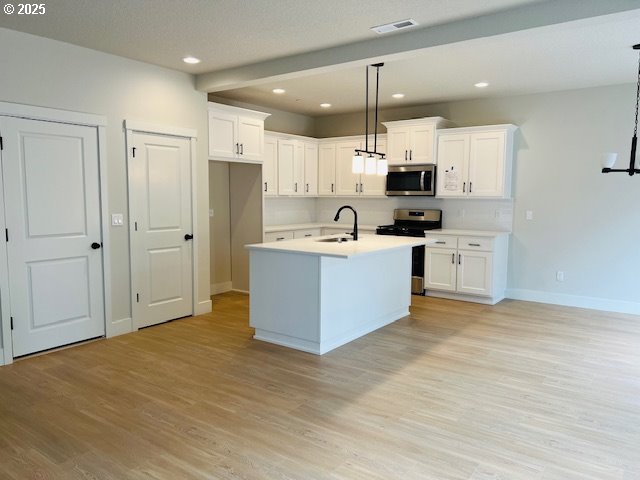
395 26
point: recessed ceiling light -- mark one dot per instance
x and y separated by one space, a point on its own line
278 91
191 60
481 84
325 105
398 95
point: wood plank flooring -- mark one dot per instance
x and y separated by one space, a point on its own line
455 391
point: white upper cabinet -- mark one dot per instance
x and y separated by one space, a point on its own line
413 141
270 166
235 134
327 169
374 185
347 182
475 162
310 168
290 167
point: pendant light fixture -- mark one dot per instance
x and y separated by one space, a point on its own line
609 159
374 162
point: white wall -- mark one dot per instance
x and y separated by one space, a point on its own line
219 227
42 72
287 210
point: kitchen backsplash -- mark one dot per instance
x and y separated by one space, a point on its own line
460 214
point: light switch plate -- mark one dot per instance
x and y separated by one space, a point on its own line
117 219
529 215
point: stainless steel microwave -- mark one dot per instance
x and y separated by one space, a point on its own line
411 179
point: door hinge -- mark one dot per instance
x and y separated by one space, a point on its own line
133 151
6 234
11 323
137 298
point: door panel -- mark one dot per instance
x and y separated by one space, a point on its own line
162 259
286 167
251 138
375 184
52 197
440 269
422 144
327 170
486 164
453 155
399 140
474 272
347 182
310 169
270 167
223 135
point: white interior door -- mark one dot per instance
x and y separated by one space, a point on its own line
161 228
52 202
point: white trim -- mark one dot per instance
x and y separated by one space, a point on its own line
31 112
237 110
593 303
203 307
152 129
146 127
99 122
221 287
237 290
464 297
120 327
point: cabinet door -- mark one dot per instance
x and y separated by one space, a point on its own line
298 169
347 182
453 159
440 269
286 165
487 164
327 169
399 141
223 133
421 148
270 166
310 169
250 138
311 232
474 272
375 184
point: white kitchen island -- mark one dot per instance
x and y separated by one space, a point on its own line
316 296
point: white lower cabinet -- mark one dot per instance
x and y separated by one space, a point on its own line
278 236
311 232
467 268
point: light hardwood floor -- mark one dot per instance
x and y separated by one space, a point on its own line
456 391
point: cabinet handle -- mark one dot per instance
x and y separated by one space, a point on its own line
265 186
332 188
405 155
464 187
237 148
356 188
470 185
410 155
242 149
279 238
474 244
440 242
308 235
295 187
459 258
361 189
307 189
453 259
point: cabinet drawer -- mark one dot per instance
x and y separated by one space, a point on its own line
312 232
442 241
278 236
484 244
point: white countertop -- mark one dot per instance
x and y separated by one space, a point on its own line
306 226
470 233
366 244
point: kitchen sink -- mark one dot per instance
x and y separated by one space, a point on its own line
335 239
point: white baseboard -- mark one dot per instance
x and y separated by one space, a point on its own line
240 291
221 287
463 297
120 327
203 307
594 303
1 356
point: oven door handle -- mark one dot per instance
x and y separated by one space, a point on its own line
422 181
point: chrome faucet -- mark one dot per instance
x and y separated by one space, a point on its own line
355 220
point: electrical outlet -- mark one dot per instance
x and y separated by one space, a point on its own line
529 215
560 276
211 212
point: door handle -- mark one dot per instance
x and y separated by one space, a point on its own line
470 185
361 190
188 236
464 187
237 148
453 259
332 188
96 245
410 155
356 188
242 149
459 258
405 155
265 186
307 188
295 187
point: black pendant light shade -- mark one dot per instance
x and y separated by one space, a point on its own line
632 170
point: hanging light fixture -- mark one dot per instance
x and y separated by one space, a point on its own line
609 159
375 162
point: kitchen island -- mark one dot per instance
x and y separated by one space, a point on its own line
316 295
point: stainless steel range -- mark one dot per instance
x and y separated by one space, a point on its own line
413 223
